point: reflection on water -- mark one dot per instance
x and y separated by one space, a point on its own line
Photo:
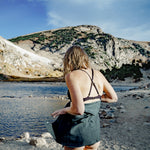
20 112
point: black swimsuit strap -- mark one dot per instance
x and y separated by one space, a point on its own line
92 83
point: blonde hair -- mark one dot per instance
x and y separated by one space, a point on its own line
75 58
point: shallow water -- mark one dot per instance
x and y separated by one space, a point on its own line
25 107
23 89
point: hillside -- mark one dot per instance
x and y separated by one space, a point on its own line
105 50
16 61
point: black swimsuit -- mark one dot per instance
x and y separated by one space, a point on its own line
80 130
92 83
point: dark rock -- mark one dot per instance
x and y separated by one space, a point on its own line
2 139
146 107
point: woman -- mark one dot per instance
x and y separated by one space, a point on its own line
78 124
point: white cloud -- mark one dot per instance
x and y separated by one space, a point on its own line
138 33
125 19
55 19
70 12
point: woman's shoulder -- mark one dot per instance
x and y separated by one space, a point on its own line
73 75
73 78
99 76
98 73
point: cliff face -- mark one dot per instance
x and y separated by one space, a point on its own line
104 50
16 61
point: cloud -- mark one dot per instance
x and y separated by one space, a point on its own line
126 19
75 12
139 33
54 19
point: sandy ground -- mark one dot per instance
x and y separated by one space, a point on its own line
130 130
127 128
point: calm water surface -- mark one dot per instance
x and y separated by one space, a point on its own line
25 107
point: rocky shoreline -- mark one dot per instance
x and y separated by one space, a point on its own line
11 78
125 125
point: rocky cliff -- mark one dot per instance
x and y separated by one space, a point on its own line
49 47
17 62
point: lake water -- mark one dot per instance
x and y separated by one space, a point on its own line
26 106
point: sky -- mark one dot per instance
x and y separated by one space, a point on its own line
128 19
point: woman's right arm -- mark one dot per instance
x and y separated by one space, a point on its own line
77 105
109 95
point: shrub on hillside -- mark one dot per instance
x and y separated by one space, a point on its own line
125 71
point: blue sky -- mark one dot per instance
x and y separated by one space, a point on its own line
129 19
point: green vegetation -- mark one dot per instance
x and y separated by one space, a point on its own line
63 36
146 65
125 71
137 46
27 37
3 77
91 36
41 38
58 37
88 51
143 51
103 40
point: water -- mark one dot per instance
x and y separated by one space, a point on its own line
123 88
26 107
24 89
